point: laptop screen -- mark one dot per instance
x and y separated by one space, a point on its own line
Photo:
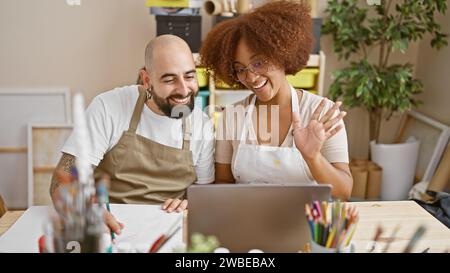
244 217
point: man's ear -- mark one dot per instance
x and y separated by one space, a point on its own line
145 78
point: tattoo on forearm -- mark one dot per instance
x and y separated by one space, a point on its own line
66 163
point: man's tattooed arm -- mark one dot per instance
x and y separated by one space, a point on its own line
66 163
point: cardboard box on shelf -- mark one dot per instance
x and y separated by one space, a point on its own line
366 179
359 174
373 181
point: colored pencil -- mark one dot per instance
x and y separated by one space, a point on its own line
335 232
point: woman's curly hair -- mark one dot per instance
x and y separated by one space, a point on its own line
281 31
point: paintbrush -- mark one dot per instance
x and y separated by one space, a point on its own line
391 238
376 238
164 238
414 239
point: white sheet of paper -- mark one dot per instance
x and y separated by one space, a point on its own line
143 225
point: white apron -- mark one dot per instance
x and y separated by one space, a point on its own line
268 164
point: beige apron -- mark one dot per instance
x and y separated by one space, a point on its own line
143 171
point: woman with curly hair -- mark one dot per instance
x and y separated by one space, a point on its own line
305 140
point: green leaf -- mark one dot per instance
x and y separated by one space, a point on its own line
362 83
401 45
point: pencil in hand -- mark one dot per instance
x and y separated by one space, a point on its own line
103 197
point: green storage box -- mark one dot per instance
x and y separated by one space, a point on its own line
202 77
201 100
306 78
221 85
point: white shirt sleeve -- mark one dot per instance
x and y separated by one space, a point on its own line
205 164
335 149
100 131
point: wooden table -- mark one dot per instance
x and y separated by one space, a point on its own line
408 215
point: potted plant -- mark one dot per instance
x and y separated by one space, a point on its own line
372 81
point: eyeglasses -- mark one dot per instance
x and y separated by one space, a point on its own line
258 67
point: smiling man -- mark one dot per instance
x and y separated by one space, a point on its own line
149 139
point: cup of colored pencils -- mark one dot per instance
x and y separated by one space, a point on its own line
332 226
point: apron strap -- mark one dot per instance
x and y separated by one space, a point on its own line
295 108
186 127
136 117
294 100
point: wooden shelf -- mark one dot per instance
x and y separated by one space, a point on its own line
9 150
314 60
233 91
196 58
225 97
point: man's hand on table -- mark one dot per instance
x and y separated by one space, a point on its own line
175 205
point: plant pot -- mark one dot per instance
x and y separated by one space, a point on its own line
398 162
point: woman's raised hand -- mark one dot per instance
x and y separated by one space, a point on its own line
310 139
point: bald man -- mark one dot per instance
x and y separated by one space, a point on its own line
149 139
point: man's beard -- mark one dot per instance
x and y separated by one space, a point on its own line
174 111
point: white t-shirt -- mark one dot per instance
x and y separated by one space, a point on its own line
109 115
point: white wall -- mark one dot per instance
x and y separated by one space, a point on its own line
433 69
89 48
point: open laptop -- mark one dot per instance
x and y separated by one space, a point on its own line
244 217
